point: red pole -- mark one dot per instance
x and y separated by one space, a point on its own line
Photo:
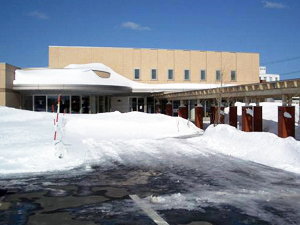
56 124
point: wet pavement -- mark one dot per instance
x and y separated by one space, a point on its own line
214 189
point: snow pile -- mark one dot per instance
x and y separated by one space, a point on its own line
26 139
26 142
260 147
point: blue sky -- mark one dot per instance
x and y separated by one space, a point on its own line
271 28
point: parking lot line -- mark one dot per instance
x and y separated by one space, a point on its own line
150 212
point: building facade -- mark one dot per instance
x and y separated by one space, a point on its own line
157 66
264 76
122 79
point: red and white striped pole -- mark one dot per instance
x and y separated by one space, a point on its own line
56 122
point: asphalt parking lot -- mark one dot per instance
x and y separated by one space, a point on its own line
220 190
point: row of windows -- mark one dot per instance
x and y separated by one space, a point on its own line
186 75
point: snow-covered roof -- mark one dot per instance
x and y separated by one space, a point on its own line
86 75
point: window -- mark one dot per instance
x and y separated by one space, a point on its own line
153 74
136 74
170 75
202 75
233 75
40 103
186 74
218 75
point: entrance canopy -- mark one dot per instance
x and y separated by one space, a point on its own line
93 78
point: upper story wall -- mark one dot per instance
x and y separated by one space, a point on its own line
125 60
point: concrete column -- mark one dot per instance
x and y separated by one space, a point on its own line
298 109
286 121
169 109
182 111
284 100
247 101
233 116
257 101
205 109
222 115
145 104
199 112
188 106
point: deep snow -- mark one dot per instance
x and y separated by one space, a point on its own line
26 141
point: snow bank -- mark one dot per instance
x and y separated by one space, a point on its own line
26 142
26 139
260 147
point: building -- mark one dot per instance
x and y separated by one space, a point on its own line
263 76
100 79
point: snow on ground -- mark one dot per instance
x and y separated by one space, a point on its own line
260 147
26 138
26 141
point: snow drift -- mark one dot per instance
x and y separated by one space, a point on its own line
26 142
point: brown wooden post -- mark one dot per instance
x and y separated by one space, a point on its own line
286 121
212 114
233 116
169 109
183 110
257 120
199 112
247 118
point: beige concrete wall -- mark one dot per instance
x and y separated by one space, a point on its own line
125 60
13 99
7 96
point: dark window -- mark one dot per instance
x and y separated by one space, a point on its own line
75 104
153 74
136 74
85 104
40 103
218 75
203 75
170 75
233 76
186 74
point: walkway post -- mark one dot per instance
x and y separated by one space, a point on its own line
233 116
257 119
169 109
182 111
199 112
286 121
247 118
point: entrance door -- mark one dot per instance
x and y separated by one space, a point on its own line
137 104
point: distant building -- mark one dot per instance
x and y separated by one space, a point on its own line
263 76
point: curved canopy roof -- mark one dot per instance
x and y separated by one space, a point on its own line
91 78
